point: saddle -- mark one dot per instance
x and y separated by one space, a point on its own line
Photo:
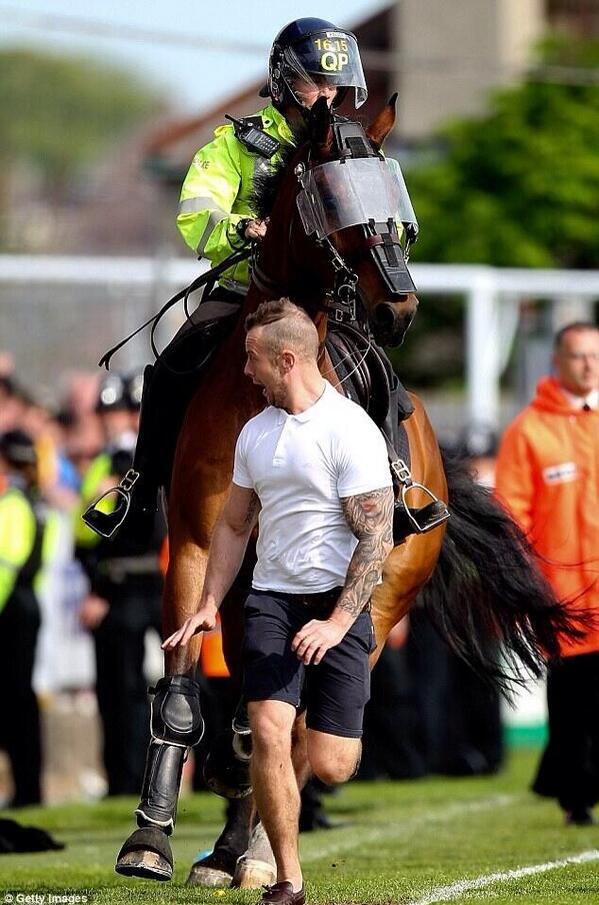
368 378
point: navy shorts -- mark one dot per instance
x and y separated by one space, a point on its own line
335 692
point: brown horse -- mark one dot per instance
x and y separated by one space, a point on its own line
516 608
226 400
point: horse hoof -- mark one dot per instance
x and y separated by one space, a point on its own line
215 869
200 875
146 854
253 874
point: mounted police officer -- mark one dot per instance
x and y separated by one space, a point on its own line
310 58
125 596
22 541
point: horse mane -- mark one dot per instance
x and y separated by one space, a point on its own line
267 182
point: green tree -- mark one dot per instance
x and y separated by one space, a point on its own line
60 113
519 186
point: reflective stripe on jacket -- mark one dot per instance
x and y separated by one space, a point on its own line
548 476
217 192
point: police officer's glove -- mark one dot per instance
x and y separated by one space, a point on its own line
254 230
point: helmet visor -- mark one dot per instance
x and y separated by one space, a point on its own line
329 55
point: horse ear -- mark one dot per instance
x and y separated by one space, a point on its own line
321 133
382 124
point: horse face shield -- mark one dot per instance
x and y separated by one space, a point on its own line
370 192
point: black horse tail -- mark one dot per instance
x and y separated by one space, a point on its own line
488 596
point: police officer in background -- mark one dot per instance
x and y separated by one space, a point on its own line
125 596
22 536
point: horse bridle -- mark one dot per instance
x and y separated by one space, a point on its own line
340 304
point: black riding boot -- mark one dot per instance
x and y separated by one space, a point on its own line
169 386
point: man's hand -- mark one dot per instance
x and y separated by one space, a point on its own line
203 621
256 229
93 611
316 637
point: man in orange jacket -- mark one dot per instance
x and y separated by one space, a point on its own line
548 476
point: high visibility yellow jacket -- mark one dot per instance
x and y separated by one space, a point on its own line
217 192
18 531
100 468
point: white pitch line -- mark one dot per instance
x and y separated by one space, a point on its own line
446 893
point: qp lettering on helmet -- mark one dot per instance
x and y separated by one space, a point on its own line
332 61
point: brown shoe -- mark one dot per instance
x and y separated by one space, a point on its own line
282 894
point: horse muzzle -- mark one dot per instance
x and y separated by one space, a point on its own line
391 321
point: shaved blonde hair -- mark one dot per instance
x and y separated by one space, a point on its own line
285 326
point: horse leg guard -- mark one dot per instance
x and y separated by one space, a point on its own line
176 725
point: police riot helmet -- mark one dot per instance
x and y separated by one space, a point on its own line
313 49
112 394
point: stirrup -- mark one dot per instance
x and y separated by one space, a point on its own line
421 519
107 523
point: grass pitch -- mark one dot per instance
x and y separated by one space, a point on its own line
404 843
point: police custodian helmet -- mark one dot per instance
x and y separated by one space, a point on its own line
313 49
17 448
134 383
120 392
112 395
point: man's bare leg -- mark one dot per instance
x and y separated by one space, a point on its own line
332 758
275 784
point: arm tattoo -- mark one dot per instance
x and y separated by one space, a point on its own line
370 517
252 511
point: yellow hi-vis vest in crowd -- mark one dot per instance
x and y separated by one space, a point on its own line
19 528
217 194
99 469
17 536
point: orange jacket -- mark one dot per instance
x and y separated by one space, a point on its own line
548 477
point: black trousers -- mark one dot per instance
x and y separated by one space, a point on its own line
20 733
121 687
569 768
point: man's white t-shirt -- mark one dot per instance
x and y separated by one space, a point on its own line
301 466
